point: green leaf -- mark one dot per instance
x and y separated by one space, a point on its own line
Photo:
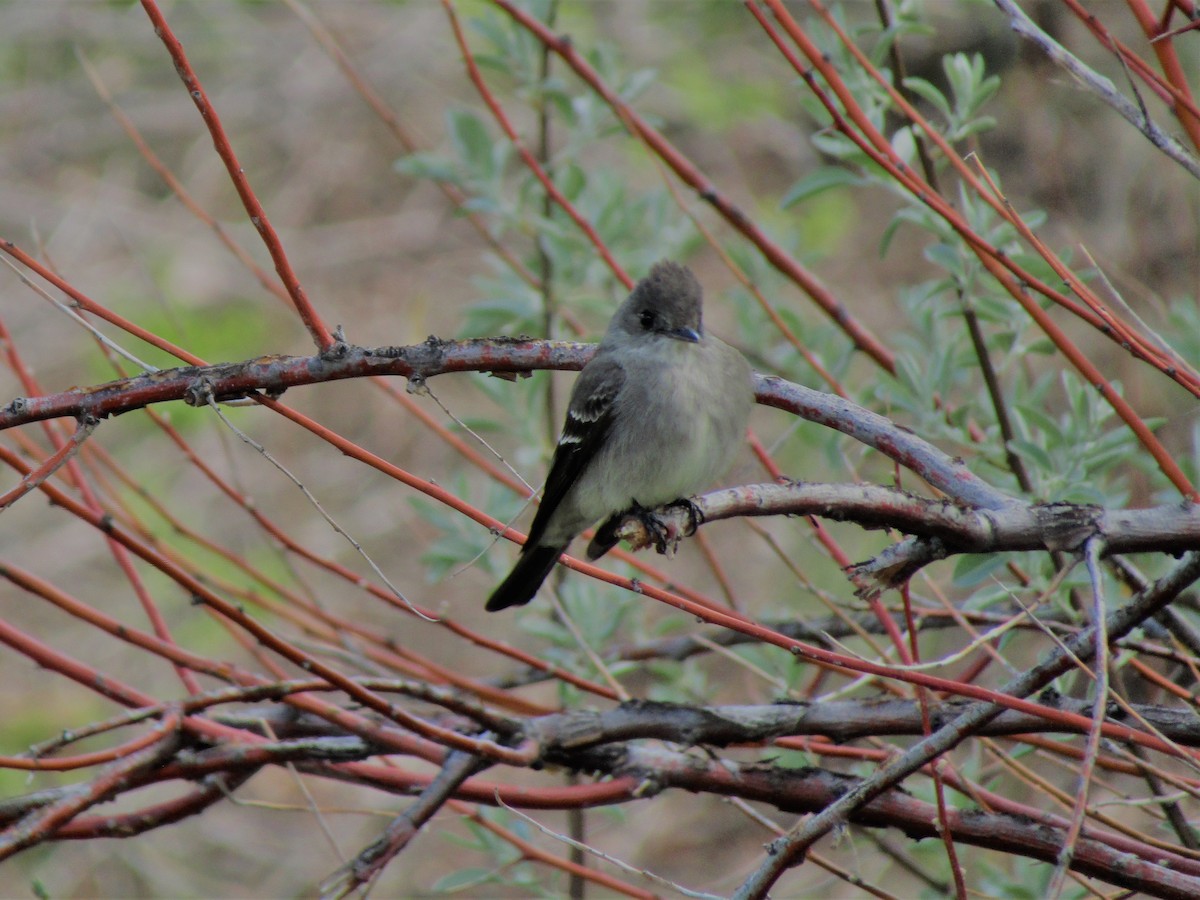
947 257
427 165
1033 453
471 142
460 879
974 568
637 83
823 179
888 233
929 93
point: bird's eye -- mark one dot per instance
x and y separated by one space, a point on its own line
647 319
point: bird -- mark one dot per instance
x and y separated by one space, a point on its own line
655 416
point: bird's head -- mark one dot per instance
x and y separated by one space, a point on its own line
666 303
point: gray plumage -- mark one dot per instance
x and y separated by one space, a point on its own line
657 415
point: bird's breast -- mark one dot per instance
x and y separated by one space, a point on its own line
674 437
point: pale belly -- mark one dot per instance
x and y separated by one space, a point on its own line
679 455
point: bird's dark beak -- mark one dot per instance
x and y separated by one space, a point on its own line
691 335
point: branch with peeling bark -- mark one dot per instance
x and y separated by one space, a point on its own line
939 528
974 518
610 743
842 720
270 376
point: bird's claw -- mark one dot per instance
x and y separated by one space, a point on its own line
665 538
660 535
694 514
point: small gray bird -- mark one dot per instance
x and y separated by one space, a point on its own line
657 415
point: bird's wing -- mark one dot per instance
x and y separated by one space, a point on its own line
589 421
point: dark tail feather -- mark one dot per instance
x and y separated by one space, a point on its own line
606 536
533 565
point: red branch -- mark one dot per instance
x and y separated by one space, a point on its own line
254 209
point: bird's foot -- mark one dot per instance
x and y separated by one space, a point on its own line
642 528
694 514
664 535
657 533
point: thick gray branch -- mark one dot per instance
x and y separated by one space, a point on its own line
1172 528
843 720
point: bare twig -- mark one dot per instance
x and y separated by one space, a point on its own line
1099 85
786 851
369 864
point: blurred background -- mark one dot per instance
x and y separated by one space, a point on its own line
381 252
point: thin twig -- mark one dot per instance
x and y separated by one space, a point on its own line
358 548
1098 85
365 868
600 854
1092 748
786 851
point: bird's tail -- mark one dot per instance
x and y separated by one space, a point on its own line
606 535
533 565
